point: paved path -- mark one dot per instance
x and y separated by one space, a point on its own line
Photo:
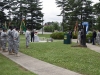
90 46
37 66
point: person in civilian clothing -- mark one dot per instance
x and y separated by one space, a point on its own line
36 38
32 36
94 34
82 36
70 34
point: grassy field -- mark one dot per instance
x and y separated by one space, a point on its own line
7 67
81 60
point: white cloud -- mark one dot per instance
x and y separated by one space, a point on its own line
51 10
95 1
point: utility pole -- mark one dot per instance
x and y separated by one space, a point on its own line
20 12
42 25
9 12
63 15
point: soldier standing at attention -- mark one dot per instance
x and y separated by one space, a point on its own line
13 32
0 38
10 40
4 40
98 37
16 41
28 37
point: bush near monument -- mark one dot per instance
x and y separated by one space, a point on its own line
60 35
89 37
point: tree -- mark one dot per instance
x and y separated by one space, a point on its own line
35 14
30 10
3 16
97 15
73 11
56 26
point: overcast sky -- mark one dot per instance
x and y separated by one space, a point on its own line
51 10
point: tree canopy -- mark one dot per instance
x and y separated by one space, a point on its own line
78 10
18 10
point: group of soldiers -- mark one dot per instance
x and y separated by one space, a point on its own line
9 40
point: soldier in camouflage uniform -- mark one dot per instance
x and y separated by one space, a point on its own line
0 38
98 37
16 41
10 40
13 32
4 40
28 37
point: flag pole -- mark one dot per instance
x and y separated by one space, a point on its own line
76 30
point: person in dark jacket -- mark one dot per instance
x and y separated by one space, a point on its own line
82 36
32 36
94 34
70 34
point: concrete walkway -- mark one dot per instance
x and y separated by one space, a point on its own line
90 46
37 66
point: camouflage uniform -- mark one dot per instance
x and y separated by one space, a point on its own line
4 40
10 40
0 39
16 42
28 36
98 38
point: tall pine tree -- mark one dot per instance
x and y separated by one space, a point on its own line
34 14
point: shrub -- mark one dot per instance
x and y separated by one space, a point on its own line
60 35
57 35
89 36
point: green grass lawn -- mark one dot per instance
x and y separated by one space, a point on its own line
81 60
7 67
